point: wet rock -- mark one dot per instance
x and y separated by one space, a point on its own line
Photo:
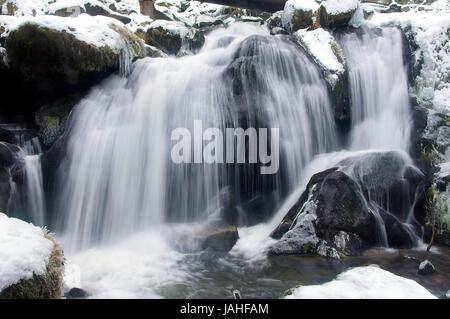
172 37
275 21
76 293
299 14
278 30
341 207
8 154
52 119
220 238
348 244
426 268
337 13
5 188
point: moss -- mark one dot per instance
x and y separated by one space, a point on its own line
47 286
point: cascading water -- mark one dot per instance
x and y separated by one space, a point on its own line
29 203
117 177
120 177
379 90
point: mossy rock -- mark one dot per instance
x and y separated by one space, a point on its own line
47 286
52 119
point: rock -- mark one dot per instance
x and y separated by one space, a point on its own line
352 207
278 30
328 55
275 21
55 62
299 14
8 154
447 294
95 8
76 293
33 269
426 268
337 13
327 251
52 119
172 37
219 238
5 188
348 243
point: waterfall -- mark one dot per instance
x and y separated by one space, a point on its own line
118 175
380 106
27 199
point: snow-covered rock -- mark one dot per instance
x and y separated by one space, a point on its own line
55 56
27 253
369 282
327 53
299 14
430 32
324 49
172 37
426 268
335 13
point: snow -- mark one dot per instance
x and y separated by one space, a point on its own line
430 30
292 6
304 5
369 282
24 251
92 30
340 6
172 27
319 44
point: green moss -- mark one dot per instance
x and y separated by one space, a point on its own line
47 286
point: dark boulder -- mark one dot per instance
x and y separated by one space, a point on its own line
172 37
426 268
361 203
76 293
49 64
52 119
337 13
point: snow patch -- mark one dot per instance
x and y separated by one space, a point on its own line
321 45
336 7
24 251
370 282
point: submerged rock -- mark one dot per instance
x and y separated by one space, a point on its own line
77 293
426 268
220 238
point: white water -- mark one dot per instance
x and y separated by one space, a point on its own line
119 186
120 178
33 206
